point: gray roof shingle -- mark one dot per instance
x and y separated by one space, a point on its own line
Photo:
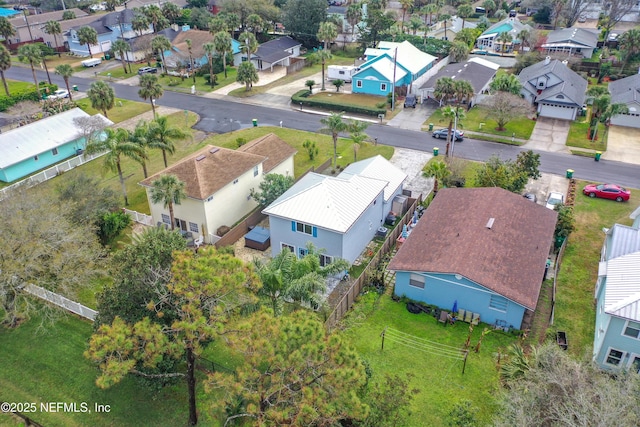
572 86
625 90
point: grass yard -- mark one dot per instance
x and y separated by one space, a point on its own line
338 98
522 127
579 131
123 109
440 380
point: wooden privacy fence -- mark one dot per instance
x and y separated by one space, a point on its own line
358 284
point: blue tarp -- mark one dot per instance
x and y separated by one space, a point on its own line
8 12
258 234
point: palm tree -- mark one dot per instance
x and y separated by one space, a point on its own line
121 47
459 51
222 43
155 17
32 55
453 114
506 83
504 38
629 45
192 68
139 136
429 10
438 170
209 50
161 44
405 5
163 136
463 91
323 55
169 190
247 75
53 28
356 134
233 21
464 11
102 96
139 23
150 89
6 29
327 33
354 15
5 64
444 17
333 126
65 71
255 23
488 5
217 24
444 89
172 12
116 143
249 44
524 35
415 23
88 36
609 112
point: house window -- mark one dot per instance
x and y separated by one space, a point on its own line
235 181
614 357
166 219
498 303
325 260
301 227
416 280
284 246
54 151
193 227
632 330
383 87
35 158
358 83
302 252
255 171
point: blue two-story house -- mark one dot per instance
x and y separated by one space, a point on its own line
484 249
616 344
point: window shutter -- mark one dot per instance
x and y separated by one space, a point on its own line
293 226
315 231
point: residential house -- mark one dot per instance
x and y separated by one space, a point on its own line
485 248
278 51
616 342
38 145
626 91
572 41
377 75
141 45
32 27
339 215
477 71
139 4
488 40
556 90
178 55
448 32
218 182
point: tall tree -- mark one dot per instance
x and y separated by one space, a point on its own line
465 10
232 21
53 28
102 96
163 136
155 17
161 44
303 17
150 89
139 23
444 90
616 11
249 44
223 45
506 83
459 51
438 170
117 144
210 50
254 22
172 12
139 136
247 74
333 125
272 186
121 47
356 130
169 191
65 71
204 291
89 36
354 16
505 106
629 45
415 23
453 114
504 38
489 6
32 55
217 25
5 64
405 5
308 378
327 33
524 36
6 29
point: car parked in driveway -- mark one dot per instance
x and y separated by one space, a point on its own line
607 191
410 101
442 134
59 94
554 199
145 70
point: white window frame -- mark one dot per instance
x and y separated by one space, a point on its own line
284 246
301 227
383 87
359 83
606 358
417 280
166 219
631 357
302 252
325 260
495 301
54 151
255 171
193 227
636 326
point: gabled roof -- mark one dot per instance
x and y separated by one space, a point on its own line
409 56
41 136
477 71
332 203
571 86
144 41
453 236
105 23
622 292
208 170
377 168
43 18
574 36
272 148
384 67
198 39
625 91
622 240
275 50
509 25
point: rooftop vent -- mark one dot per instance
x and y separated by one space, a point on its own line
214 150
200 157
547 60
490 223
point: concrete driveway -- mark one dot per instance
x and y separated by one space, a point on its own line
549 135
545 185
623 145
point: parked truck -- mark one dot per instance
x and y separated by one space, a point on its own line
92 62
341 72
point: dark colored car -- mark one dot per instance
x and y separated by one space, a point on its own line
607 191
530 196
145 70
442 133
410 101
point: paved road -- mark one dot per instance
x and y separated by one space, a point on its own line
223 115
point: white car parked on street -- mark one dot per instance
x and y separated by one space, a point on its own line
59 94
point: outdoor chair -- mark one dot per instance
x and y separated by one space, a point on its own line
461 313
198 241
444 317
467 316
476 319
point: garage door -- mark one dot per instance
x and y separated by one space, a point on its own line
630 120
557 112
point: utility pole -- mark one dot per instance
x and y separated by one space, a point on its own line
393 83
24 11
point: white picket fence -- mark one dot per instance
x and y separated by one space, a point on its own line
60 301
139 217
52 172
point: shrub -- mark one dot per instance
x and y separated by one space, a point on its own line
241 141
111 224
311 148
301 97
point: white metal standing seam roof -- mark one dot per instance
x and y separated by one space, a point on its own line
622 293
409 56
377 168
332 203
624 240
384 66
36 138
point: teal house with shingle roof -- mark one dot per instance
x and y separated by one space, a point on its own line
488 40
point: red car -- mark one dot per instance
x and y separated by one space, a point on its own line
607 191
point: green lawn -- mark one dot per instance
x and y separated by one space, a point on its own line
477 119
579 135
123 109
332 97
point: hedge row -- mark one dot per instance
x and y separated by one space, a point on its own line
26 95
302 97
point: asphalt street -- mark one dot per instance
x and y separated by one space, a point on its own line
221 116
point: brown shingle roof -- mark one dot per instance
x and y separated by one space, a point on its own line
198 39
273 148
42 18
452 237
204 177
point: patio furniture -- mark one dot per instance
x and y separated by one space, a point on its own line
467 316
259 238
475 319
198 241
444 317
461 313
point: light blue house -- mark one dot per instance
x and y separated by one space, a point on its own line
38 145
377 76
339 215
485 249
616 342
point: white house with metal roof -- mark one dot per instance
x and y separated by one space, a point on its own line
338 215
626 91
616 342
40 144
488 40
572 41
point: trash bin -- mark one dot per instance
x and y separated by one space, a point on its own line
597 157
107 57
569 173
435 151
255 122
430 127
75 88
